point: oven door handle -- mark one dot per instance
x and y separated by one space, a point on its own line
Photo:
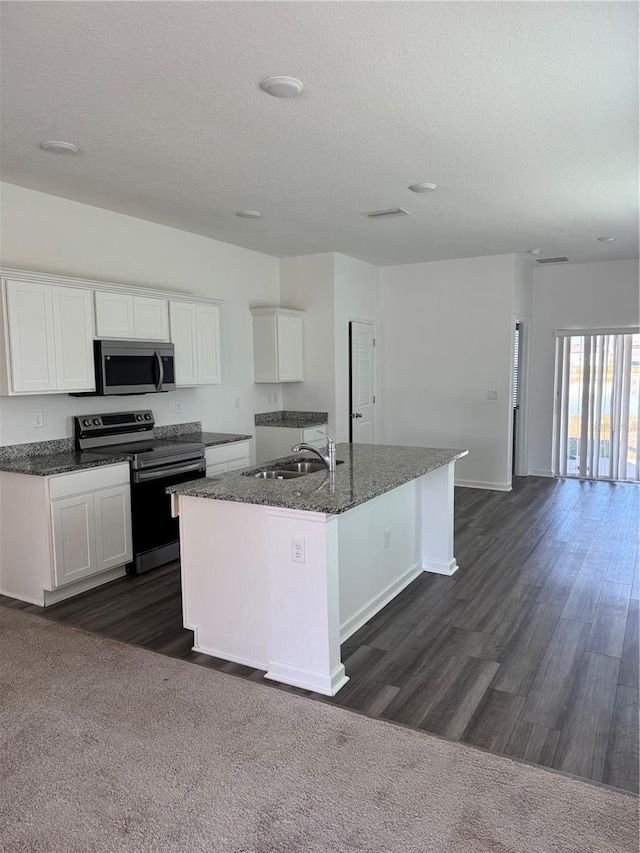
165 473
160 370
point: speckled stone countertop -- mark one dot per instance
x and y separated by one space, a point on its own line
58 456
46 465
209 439
368 470
291 419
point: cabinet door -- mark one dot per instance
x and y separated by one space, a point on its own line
114 315
113 527
290 357
208 344
150 318
31 338
74 553
183 338
73 335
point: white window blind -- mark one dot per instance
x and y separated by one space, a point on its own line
597 404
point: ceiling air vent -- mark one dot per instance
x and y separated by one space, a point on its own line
553 260
384 214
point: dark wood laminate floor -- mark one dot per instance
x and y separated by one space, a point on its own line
530 649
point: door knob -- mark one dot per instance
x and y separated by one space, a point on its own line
356 415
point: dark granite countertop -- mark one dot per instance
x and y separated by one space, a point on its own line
210 439
291 419
368 470
46 465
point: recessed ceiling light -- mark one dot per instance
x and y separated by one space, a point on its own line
422 188
533 252
249 214
282 87
53 146
607 239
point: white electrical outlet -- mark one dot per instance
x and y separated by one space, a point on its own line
492 394
38 419
275 398
297 550
387 539
178 408
237 403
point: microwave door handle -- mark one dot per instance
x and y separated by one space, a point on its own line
160 371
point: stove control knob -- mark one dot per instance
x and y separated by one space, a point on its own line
138 417
86 422
97 421
147 417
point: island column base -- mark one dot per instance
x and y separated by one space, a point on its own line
307 679
305 601
435 520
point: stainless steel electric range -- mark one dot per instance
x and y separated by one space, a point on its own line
155 464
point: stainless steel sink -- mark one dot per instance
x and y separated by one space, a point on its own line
280 474
303 467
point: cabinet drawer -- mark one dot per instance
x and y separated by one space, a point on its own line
227 453
65 485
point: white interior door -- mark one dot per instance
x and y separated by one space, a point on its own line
362 382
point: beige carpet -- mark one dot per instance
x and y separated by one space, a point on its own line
110 748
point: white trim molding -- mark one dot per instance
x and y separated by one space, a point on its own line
480 484
541 472
93 284
307 679
440 568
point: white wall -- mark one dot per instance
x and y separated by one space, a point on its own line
307 283
358 296
448 338
49 234
572 296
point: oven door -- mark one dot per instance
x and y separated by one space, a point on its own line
155 532
134 367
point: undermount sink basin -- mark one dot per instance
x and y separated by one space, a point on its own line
279 474
303 467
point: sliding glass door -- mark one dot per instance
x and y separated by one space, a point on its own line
597 404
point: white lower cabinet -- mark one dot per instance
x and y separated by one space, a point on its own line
272 442
73 532
63 534
227 457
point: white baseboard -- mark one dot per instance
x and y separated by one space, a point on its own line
479 484
307 679
224 655
368 610
540 472
27 598
438 568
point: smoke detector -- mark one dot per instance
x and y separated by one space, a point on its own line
282 87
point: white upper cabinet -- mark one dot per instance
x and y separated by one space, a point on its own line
114 315
278 345
73 336
120 315
195 334
150 318
48 345
48 324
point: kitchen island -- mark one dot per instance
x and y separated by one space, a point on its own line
276 574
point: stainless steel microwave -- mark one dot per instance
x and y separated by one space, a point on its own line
134 367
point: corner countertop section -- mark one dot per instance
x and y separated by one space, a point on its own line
210 439
291 419
368 470
46 465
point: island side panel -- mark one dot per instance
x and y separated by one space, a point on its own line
305 619
379 552
435 508
225 579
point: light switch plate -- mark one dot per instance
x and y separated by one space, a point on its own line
492 394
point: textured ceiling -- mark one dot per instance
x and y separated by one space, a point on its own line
525 115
